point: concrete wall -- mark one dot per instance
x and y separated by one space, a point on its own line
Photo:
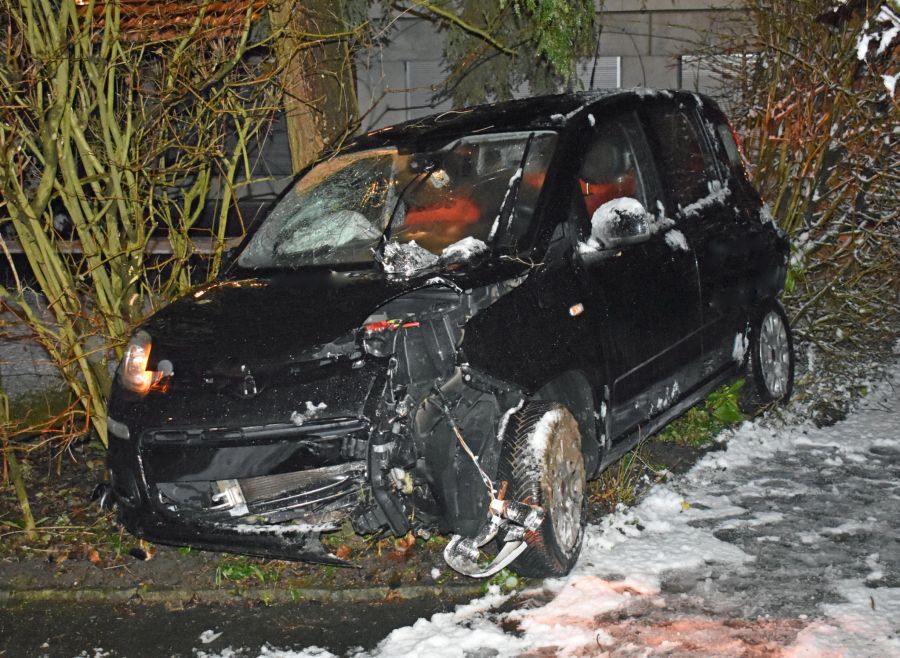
641 44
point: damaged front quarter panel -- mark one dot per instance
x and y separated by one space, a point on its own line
418 469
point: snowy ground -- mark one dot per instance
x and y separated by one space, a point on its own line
787 543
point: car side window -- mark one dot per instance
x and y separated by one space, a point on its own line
726 148
609 169
686 172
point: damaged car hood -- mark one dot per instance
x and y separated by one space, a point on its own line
284 318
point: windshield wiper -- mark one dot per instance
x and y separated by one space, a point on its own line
504 216
418 179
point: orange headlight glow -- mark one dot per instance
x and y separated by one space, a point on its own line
133 372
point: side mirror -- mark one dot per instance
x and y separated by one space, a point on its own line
620 222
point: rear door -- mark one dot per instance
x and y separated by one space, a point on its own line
705 205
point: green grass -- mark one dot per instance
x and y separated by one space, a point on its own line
700 424
505 579
240 570
620 482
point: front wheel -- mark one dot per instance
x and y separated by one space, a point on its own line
770 361
542 461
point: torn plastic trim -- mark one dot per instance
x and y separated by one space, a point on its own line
293 542
460 557
378 468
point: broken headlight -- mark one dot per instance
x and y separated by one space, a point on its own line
134 374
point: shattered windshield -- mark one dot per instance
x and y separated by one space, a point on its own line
410 211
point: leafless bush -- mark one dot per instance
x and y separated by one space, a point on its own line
812 91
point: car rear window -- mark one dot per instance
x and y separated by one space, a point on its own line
684 168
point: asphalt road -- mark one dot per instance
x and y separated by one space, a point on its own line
156 631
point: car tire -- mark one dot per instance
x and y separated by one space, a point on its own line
769 363
542 462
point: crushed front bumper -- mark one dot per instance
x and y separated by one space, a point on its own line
268 490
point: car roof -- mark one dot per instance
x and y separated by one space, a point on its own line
539 112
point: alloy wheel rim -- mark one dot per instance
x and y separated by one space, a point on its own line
564 490
774 354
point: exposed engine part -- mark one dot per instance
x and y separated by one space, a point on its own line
229 497
462 553
465 446
379 466
529 517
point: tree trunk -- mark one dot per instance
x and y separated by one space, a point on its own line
320 93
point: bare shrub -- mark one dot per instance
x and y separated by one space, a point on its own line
811 89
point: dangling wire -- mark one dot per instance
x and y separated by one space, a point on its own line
445 407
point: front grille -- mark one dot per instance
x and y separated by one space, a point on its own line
307 495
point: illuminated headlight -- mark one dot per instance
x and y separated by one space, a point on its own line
133 372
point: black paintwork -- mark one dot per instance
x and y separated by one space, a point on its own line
256 346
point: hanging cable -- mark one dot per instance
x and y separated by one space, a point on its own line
445 408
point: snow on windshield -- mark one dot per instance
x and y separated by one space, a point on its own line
407 258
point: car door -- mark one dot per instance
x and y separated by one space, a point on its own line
703 204
644 296
755 250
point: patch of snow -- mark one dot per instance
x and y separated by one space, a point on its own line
645 92
887 37
465 632
209 636
312 410
676 239
407 258
504 421
862 627
509 186
441 281
885 34
435 573
877 572
718 192
463 250
862 43
559 118
890 82
739 350
538 442
591 119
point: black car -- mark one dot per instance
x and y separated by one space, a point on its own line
450 326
